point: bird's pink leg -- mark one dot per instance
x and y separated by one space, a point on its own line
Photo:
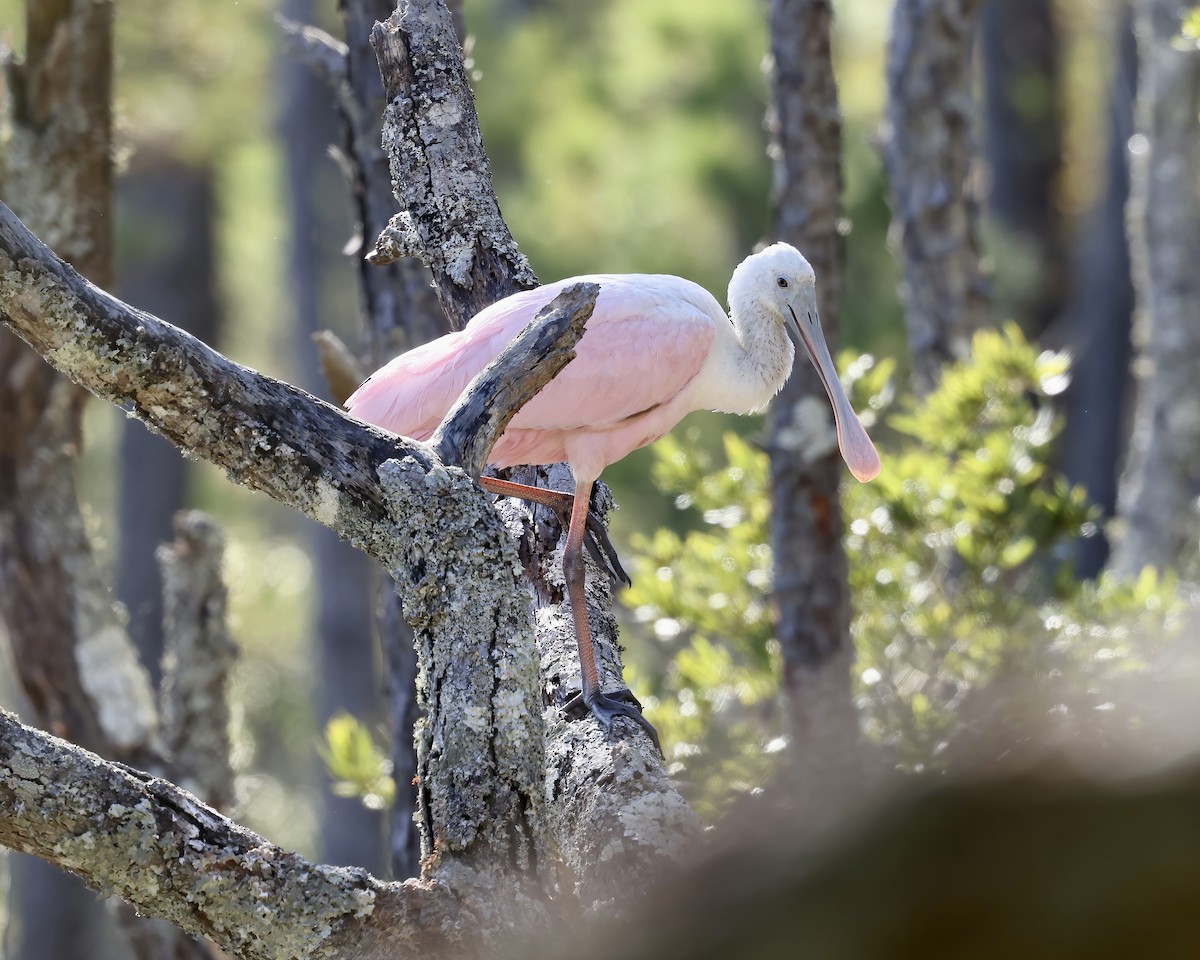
605 707
563 504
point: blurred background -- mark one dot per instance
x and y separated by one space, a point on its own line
988 615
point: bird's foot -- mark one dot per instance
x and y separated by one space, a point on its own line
606 707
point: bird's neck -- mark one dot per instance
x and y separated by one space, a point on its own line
755 356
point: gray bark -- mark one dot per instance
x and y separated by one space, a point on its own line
145 840
1099 320
440 174
810 586
927 149
400 311
1022 71
1158 493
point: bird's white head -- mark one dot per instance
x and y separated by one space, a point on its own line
782 285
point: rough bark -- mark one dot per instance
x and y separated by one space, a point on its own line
1158 493
928 153
400 311
810 586
1099 320
147 841
440 175
1022 55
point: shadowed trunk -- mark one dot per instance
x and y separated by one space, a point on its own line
928 151
165 264
810 587
1099 320
1023 114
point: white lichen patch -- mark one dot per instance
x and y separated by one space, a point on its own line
651 820
445 113
117 685
326 503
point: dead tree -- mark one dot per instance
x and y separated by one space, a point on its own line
516 800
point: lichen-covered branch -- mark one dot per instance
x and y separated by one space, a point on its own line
928 151
267 434
163 851
1158 495
449 215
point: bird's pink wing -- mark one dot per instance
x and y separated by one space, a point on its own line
411 394
645 341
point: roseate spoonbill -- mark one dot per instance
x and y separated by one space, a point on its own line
655 349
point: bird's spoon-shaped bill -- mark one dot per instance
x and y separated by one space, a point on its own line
857 449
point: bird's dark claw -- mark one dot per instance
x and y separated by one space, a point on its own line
606 707
599 547
604 553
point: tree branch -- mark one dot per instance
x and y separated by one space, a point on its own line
159 848
267 434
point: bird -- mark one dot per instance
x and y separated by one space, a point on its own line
656 348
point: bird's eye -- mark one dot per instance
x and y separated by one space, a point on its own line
782 282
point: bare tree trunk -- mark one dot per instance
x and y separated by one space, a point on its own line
1158 493
400 311
1100 317
348 679
928 153
165 264
810 586
57 171
1023 112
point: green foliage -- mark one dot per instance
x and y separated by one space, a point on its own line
1189 35
705 595
356 764
967 613
960 561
